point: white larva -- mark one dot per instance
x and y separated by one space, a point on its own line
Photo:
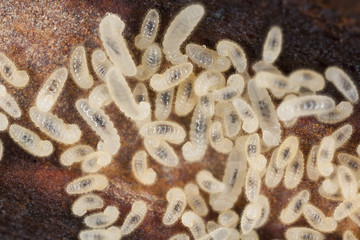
311 165
350 161
8 103
87 183
337 197
263 201
100 63
79 69
139 166
207 104
307 78
274 174
325 156
11 74
217 139
341 112
86 203
185 97
99 96
161 152
252 185
148 30
150 62
343 83
4 122
252 235
140 94
330 185
208 81
134 218
272 45
293 210
208 183
294 171
163 104
30 141
94 161
252 147
247 114
194 223
102 219
112 233
228 218
276 83
342 135
178 31
195 201
176 205
75 154
165 130
287 151
180 236
250 217
218 234
316 218
236 54
51 89
300 233
262 66
235 86
348 235
346 208
347 182
110 29
230 118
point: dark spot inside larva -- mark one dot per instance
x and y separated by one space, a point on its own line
215 137
298 206
296 166
140 98
207 184
113 45
307 236
251 149
162 153
138 165
27 139
204 100
310 104
306 76
84 183
233 117
345 84
252 182
286 153
229 95
204 58
197 202
281 84
348 205
135 219
153 59
347 178
273 43
81 152
102 70
53 86
175 75
340 136
50 126
7 70
188 90
150 26
163 129
165 98
264 108
100 221
99 121
89 200
234 177
275 169
315 218
77 64
353 164
324 153
178 206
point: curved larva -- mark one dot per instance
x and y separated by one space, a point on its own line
51 89
236 54
305 106
148 30
316 218
341 112
150 62
134 217
350 161
178 31
185 97
348 235
300 233
330 185
274 174
277 83
75 154
11 74
101 124
102 219
207 104
228 218
208 81
231 120
79 69
142 173
263 201
163 104
86 203
8 103
94 161
342 135
110 29
112 233
165 130
30 141
176 205
272 45
307 78
4 122
265 112
180 236
55 127
217 139
235 86
162 152
195 200
212 226
325 156
247 114
250 217
343 83
207 58
194 223
294 171
346 208
293 210
99 96
311 164
171 77
252 185
287 151
347 182
100 63
337 196
208 183
87 184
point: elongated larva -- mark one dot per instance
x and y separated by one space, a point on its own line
236 54
101 124
262 66
235 86
325 156
176 205
274 174
180 236
134 217
307 78
263 201
148 30
252 147
100 63
9 104
178 31
163 104
293 210
185 97
311 165
162 152
231 120
217 139
265 112
250 216
102 219
4 122
140 94
195 200
208 81
112 233
348 235
346 208
228 218
55 127
350 161
87 184
275 82
342 135
247 114
217 234
86 203
93 162
79 69
342 111
300 233
171 77
30 141
150 62
142 173
272 45
207 104
99 96
51 89
287 151
343 83
294 171
165 130
208 183
11 74
347 182
252 185
75 154
194 223
316 218
110 29
207 58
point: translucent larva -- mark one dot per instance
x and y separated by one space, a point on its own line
343 83
150 62
194 223
236 54
180 236
350 161
217 234
348 235
265 111
342 135
307 78
100 63
355 217
252 185
93 162
347 182
102 219
228 218
11 74
178 31
134 217
165 130
30 141
110 29
252 147
212 226
207 58
341 112
142 173
86 203
247 114
311 165
208 81
171 77
272 45
346 208
231 120
9 104
51 89
75 154
337 196
99 96
330 184
148 30
185 97
176 205
293 210
262 66
287 151
278 84
316 218
252 235
235 86
325 156
112 233
195 200
4 122
208 183
101 124
274 174
162 152
263 201
87 184
140 94
300 233
207 104
79 69
55 127
217 139
249 218
163 104
294 171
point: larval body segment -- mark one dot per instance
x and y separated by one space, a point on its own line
11 74
79 68
101 64
234 51
148 31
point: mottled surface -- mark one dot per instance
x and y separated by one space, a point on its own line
40 35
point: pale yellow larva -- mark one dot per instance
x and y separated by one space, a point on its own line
99 96
263 201
316 218
148 30
161 152
349 235
150 62
274 174
79 69
307 78
100 63
247 114
195 201
217 139
273 44
350 161
8 103
276 83
228 218
111 233
342 135
235 52
230 119
293 210
87 183
208 183
75 154
11 74
165 130
252 185
180 236
341 112
142 173
176 205
347 181
287 151
194 223
346 208
102 219
4 122
208 81
311 165
185 97
299 233
134 218
86 203
234 88
294 171
163 104
249 218
325 156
